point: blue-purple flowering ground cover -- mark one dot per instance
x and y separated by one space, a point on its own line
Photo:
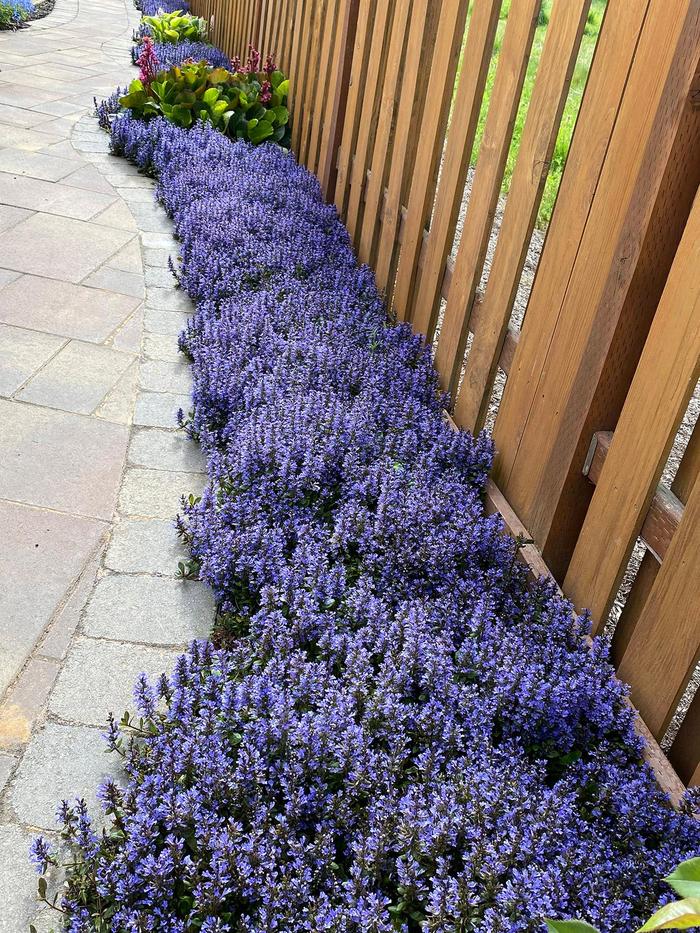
394 733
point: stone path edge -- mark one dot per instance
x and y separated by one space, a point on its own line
127 612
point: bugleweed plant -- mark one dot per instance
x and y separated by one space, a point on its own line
14 12
393 732
244 104
176 27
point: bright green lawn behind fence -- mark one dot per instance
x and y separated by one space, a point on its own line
573 101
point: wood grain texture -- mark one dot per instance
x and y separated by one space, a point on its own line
486 186
353 106
658 396
369 112
429 146
374 191
596 290
665 646
562 41
606 83
460 140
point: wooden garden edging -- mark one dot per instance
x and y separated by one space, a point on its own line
601 373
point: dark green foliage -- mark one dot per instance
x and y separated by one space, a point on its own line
241 105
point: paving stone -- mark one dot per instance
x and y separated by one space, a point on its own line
17 95
160 241
124 180
128 337
77 378
150 610
157 449
164 376
60 247
165 323
143 545
158 257
18 879
129 258
23 704
63 308
6 276
99 678
118 404
59 635
85 455
88 177
57 108
159 277
166 299
116 280
11 216
159 409
8 763
161 347
156 493
52 197
118 217
78 765
19 116
138 195
35 164
22 352
21 137
43 553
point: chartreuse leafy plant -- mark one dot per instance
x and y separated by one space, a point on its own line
176 27
250 106
682 914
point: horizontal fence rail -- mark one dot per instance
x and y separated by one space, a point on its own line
406 111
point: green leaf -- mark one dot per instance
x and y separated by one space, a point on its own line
283 88
211 95
569 926
680 915
218 76
41 887
276 78
260 132
685 879
282 115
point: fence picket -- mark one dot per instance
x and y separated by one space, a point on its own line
370 111
658 396
441 81
460 141
665 646
383 139
353 105
336 98
578 334
390 216
486 186
561 44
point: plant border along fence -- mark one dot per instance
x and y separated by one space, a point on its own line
607 357
399 729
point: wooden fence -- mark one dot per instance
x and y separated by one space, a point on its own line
603 369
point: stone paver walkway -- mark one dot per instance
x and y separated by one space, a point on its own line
92 466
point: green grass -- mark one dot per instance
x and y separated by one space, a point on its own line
573 102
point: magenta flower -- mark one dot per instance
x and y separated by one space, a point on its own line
266 93
147 62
